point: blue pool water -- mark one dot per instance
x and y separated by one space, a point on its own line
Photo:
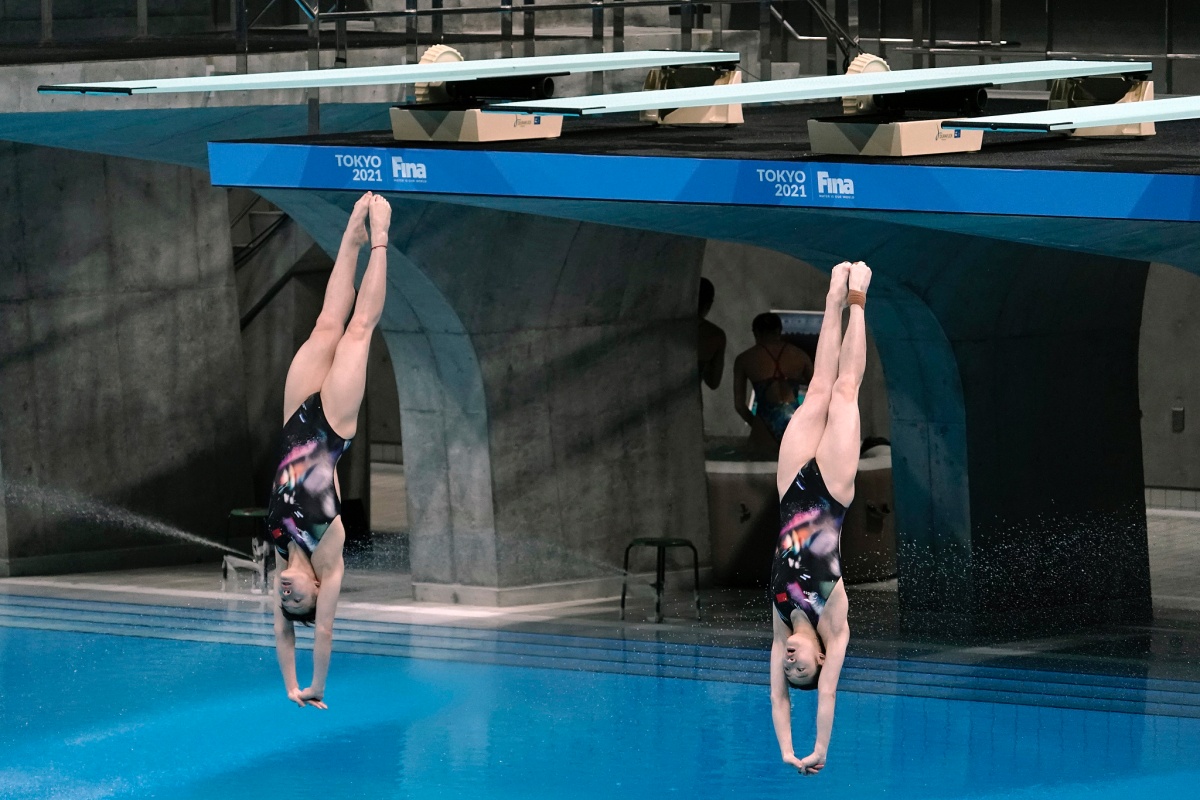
91 715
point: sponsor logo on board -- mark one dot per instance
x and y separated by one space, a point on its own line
407 170
841 188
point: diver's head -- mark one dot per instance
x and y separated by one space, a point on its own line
298 590
767 327
803 657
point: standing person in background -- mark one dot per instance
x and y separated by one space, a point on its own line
818 462
710 346
779 373
324 389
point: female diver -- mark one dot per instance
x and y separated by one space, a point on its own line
324 390
818 460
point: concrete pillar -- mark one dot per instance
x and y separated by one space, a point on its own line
4 568
120 365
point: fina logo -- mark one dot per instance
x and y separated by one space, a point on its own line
834 187
407 170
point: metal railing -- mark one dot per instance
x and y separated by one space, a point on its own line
333 13
246 19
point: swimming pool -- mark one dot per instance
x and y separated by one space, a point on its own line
88 714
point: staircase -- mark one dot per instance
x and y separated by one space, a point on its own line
269 248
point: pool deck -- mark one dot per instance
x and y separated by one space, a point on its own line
1168 648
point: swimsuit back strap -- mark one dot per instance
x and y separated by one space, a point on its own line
778 374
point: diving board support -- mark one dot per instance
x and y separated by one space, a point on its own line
872 136
676 77
416 124
1063 94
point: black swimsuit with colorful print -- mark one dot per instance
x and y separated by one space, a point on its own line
304 498
808 558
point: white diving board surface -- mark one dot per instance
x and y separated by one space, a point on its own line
403 73
824 87
1068 119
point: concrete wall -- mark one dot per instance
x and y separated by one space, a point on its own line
1168 378
120 365
750 280
21 20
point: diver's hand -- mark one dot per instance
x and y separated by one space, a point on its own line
312 697
809 765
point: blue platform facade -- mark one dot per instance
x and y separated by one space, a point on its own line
799 184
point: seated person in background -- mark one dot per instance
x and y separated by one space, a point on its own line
779 373
710 346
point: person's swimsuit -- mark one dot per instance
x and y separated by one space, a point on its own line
304 498
776 415
808 558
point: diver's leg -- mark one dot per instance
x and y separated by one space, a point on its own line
346 381
807 425
314 358
838 452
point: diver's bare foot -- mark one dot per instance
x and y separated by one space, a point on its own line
860 277
381 220
838 285
356 229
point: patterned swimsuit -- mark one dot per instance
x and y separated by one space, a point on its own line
304 498
808 558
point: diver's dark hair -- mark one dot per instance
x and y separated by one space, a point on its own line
768 322
707 293
308 617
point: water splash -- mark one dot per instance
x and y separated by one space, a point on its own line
72 505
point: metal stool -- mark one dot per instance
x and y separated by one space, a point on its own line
257 516
256 565
661 570
260 549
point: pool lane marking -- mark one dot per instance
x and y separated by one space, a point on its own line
451 611
435 610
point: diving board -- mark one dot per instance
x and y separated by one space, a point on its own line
824 87
497 68
1067 119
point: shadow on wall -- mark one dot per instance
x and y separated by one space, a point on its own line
750 280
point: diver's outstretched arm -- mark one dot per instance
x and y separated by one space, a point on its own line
836 636
327 599
835 655
285 645
781 698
